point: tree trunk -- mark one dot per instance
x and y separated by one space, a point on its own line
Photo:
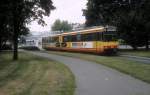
0 44
15 56
15 29
15 38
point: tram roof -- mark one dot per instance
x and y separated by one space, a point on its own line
82 31
87 30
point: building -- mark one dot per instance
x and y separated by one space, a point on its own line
33 40
77 26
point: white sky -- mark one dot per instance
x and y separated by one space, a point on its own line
70 10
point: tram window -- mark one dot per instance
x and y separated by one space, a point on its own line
73 38
86 37
79 37
110 32
49 40
90 37
110 36
54 39
43 40
46 40
95 36
99 36
67 38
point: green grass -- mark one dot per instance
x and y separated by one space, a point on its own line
142 53
135 69
32 75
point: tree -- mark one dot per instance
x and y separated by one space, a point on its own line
131 17
61 26
56 26
5 23
66 26
132 31
146 15
22 12
133 27
99 12
92 14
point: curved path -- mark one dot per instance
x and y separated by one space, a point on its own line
95 79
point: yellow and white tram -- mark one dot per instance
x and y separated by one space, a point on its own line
93 40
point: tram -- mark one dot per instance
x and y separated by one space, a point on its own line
92 40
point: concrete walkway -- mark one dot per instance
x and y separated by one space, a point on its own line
95 79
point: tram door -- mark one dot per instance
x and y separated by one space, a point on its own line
99 38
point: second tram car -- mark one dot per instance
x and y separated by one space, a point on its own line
94 40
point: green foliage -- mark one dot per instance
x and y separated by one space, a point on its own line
5 23
56 26
131 17
99 12
61 26
133 26
16 14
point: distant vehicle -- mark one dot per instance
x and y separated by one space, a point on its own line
7 46
92 40
31 42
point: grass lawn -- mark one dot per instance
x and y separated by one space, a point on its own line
135 69
142 53
32 75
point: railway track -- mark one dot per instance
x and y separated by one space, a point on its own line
144 60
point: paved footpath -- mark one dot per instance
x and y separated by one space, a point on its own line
96 79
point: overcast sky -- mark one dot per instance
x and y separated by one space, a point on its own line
70 10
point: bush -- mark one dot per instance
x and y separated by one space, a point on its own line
30 48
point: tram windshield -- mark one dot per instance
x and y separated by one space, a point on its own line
110 36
